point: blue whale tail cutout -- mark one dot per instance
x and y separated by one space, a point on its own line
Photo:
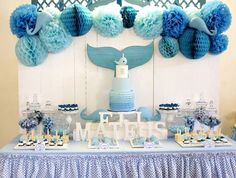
94 117
148 115
105 56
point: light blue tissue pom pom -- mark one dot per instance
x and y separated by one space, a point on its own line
219 44
55 37
108 23
23 16
216 15
175 21
30 51
148 22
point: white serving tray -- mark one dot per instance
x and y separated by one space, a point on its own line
142 146
191 145
47 147
90 146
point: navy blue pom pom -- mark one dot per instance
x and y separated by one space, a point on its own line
128 14
23 16
175 21
216 15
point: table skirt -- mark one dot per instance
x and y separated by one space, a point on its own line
120 165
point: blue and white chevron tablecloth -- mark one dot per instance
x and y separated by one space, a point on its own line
171 161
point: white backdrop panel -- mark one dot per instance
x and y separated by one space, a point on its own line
70 77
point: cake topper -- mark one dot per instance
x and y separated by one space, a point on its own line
122 61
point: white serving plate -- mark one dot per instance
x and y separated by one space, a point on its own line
142 146
47 147
90 146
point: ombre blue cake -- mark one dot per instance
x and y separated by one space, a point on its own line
121 97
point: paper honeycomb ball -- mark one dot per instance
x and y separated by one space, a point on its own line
148 22
108 21
216 15
55 37
219 44
128 14
175 20
30 51
194 44
54 12
168 47
23 16
77 19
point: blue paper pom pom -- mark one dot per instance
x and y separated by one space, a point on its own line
55 37
148 22
168 47
194 44
128 14
175 21
30 51
108 21
216 15
219 44
23 16
77 19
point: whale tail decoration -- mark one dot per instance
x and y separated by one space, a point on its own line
199 24
94 116
105 56
157 116
148 115
42 19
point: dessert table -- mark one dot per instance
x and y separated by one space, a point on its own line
78 161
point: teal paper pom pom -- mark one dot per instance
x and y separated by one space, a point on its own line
108 21
77 19
30 51
219 44
128 14
148 22
175 20
23 16
194 44
168 47
216 15
55 37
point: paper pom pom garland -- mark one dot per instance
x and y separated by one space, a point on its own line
148 22
128 14
23 16
55 37
219 44
216 15
168 47
77 19
175 21
108 22
194 44
30 51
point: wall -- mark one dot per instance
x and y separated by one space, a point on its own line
228 76
8 78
